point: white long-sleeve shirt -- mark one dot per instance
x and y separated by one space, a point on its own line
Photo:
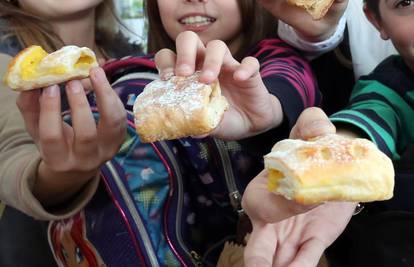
367 47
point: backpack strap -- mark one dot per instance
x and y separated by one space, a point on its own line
117 68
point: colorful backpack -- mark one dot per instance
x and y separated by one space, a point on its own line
169 203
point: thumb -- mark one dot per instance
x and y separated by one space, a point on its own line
261 205
311 123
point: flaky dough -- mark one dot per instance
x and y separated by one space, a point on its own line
34 68
178 107
330 168
316 8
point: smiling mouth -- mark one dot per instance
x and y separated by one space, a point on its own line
197 21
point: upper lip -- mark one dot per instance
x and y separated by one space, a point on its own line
196 14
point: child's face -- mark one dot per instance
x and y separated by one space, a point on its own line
53 9
397 23
210 19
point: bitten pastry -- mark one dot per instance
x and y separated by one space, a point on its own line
329 168
178 107
316 8
34 68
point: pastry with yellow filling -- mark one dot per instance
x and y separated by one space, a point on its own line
316 8
329 168
178 107
34 68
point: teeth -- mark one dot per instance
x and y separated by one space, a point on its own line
199 20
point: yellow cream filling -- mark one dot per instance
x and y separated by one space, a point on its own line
29 65
273 179
84 61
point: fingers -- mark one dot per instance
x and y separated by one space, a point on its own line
261 247
112 121
192 55
311 123
28 104
51 141
249 67
83 123
217 56
189 49
309 254
165 61
269 207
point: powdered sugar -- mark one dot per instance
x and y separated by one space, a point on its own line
301 155
177 92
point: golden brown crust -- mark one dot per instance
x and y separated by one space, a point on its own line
330 168
57 67
178 107
316 8
13 63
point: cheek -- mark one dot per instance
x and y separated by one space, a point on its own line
166 8
403 36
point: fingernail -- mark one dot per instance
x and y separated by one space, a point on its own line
98 74
166 74
208 74
51 91
320 127
184 69
74 87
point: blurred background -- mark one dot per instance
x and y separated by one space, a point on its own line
131 13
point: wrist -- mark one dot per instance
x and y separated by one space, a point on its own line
54 187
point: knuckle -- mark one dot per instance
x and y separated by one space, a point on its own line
50 138
87 138
217 44
160 54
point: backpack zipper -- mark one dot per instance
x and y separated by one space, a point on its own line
178 176
234 194
191 254
135 215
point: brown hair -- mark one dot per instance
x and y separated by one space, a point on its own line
257 25
30 29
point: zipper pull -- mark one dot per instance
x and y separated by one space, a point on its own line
235 201
196 258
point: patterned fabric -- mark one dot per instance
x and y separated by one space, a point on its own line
382 105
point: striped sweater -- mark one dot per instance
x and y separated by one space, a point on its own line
382 106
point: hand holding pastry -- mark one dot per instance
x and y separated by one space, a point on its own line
325 15
72 154
252 109
286 233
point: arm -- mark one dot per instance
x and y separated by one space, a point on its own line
19 164
310 229
27 183
378 113
288 77
312 48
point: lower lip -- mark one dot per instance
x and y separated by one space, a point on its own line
196 28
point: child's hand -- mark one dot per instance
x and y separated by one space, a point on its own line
286 233
302 22
72 154
252 108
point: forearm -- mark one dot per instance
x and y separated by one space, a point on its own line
52 188
313 45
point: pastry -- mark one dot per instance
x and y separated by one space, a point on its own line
34 68
329 168
178 107
316 8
